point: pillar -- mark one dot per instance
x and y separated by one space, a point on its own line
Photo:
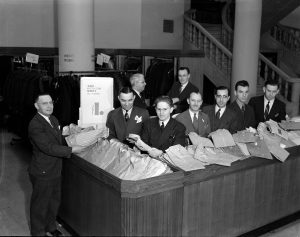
76 35
246 43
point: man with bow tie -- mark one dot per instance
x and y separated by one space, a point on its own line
245 112
127 118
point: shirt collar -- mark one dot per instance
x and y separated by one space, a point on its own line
165 122
129 111
139 94
46 117
266 101
192 113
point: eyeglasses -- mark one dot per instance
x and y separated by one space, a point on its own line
222 96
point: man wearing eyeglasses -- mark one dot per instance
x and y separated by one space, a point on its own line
220 116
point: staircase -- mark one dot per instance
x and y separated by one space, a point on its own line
218 53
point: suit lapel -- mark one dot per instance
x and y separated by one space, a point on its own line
49 128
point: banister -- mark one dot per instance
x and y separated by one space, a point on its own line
209 36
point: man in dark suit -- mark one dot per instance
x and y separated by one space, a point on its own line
162 131
127 118
193 119
220 116
244 112
138 84
45 167
181 90
268 106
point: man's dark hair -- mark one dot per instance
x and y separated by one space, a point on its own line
184 68
36 98
242 83
126 90
272 82
221 88
164 98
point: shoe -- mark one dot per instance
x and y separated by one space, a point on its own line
56 233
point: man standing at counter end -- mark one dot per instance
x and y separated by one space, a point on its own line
45 167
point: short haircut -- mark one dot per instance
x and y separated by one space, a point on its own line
134 77
126 90
242 83
221 88
272 83
184 68
197 93
36 98
164 98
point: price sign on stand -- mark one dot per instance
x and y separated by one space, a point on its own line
96 100
32 58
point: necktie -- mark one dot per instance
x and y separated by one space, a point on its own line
218 114
267 110
126 115
162 126
243 108
180 89
195 121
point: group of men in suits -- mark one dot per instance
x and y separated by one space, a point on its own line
48 148
187 102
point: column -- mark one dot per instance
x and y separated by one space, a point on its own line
76 35
246 43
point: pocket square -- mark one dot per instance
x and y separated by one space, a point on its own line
138 119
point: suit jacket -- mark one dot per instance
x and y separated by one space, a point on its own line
172 134
139 101
119 128
203 123
47 146
182 105
247 119
277 112
227 121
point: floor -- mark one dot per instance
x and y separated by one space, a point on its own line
15 190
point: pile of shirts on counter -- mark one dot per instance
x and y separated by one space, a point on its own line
113 156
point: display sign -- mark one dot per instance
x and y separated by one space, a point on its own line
96 100
102 58
32 58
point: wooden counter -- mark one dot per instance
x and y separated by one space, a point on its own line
217 201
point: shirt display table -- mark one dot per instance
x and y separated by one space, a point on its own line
226 201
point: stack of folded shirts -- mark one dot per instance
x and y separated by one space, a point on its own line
222 138
290 125
214 156
86 138
178 156
202 141
259 149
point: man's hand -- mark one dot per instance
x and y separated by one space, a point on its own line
175 100
155 152
77 149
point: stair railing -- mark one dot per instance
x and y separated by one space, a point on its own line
286 36
217 53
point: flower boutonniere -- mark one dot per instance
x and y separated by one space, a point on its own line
138 119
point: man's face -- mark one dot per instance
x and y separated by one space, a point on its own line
163 110
270 91
126 100
183 76
242 93
44 105
221 98
140 84
195 102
